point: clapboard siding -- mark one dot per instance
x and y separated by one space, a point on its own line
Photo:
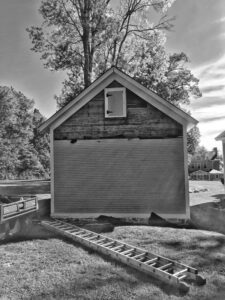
119 176
143 120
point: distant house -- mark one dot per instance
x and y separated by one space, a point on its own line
215 175
120 150
199 175
207 163
221 137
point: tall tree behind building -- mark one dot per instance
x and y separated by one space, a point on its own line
85 38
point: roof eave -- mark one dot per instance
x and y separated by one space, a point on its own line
221 137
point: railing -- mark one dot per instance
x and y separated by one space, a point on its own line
15 209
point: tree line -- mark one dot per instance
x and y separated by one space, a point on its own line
24 151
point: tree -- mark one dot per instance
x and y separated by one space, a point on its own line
85 38
76 34
178 83
193 139
19 155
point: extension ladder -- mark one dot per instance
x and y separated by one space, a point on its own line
158 266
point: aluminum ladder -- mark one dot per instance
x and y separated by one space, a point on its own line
162 268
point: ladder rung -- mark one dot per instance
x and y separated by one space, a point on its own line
83 233
79 232
152 265
139 256
72 230
63 227
180 272
92 237
100 241
182 277
150 261
127 251
165 266
86 235
108 244
117 248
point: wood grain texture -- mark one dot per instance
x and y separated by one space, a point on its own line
143 120
119 176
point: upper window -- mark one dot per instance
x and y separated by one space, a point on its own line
115 102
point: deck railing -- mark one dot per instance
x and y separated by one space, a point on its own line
16 209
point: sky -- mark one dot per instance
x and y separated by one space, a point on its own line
199 31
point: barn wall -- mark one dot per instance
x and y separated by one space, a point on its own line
143 120
119 177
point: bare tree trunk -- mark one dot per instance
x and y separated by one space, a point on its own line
86 44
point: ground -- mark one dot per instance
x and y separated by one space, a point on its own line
43 266
52 268
214 191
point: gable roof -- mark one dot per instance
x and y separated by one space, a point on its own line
102 82
213 171
200 172
220 136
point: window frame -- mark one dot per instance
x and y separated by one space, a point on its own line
117 89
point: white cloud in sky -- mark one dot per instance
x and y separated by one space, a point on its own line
210 109
220 20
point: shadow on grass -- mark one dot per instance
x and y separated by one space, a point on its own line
140 276
80 285
202 252
112 283
34 232
219 196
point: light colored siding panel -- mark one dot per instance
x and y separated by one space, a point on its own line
119 176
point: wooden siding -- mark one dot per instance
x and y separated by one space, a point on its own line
119 176
143 120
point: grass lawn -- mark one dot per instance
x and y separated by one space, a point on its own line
53 268
14 188
215 191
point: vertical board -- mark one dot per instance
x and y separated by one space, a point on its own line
119 176
224 160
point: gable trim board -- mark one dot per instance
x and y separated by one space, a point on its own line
101 83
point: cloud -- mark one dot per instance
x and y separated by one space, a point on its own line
210 109
210 67
208 102
220 20
211 119
208 89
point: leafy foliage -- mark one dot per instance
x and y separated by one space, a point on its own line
193 139
85 38
24 153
